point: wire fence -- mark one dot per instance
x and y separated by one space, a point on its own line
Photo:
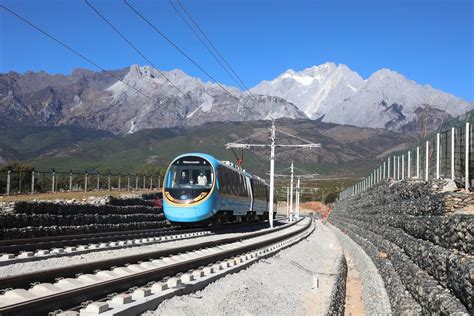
448 154
33 181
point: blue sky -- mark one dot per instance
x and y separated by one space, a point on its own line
430 42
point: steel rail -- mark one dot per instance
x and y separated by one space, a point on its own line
71 298
25 280
30 244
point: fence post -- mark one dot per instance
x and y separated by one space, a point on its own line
388 168
159 182
151 182
53 181
417 162
403 167
383 174
120 182
453 131
409 165
85 182
144 182
466 173
427 170
98 181
398 167
70 180
108 181
128 182
394 167
33 181
437 155
136 182
8 181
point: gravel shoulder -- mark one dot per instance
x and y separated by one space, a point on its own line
374 295
296 281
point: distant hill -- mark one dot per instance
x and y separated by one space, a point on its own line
346 150
24 143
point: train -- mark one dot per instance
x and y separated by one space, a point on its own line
200 189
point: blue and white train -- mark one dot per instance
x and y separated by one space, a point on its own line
198 189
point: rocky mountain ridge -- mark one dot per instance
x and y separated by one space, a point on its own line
139 97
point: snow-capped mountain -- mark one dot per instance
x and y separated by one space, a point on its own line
335 93
129 100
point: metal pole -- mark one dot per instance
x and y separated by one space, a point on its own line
98 181
8 181
426 161
403 167
136 182
291 193
298 199
144 182
33 181
108 181
466 167
151 182
437 155
383 175
417 162
272 175
398 167
394 167
128 182
159 182
409 165
53 181
388 168
70 181
120 182
452 152
287 201
85 182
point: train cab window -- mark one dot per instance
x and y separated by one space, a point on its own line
190 172
189 179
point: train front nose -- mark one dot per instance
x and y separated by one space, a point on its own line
187 214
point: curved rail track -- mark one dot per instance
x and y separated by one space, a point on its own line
137 270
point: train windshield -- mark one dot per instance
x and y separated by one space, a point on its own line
189 177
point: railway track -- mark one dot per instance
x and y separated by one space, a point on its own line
64 289
26 250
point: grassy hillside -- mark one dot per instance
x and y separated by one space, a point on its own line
31 141
345 151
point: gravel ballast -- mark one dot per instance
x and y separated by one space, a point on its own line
298 280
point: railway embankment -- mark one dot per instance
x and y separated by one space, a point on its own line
420 237
29 219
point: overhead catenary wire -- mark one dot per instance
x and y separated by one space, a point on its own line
141 16
211 48
90 61
131 45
